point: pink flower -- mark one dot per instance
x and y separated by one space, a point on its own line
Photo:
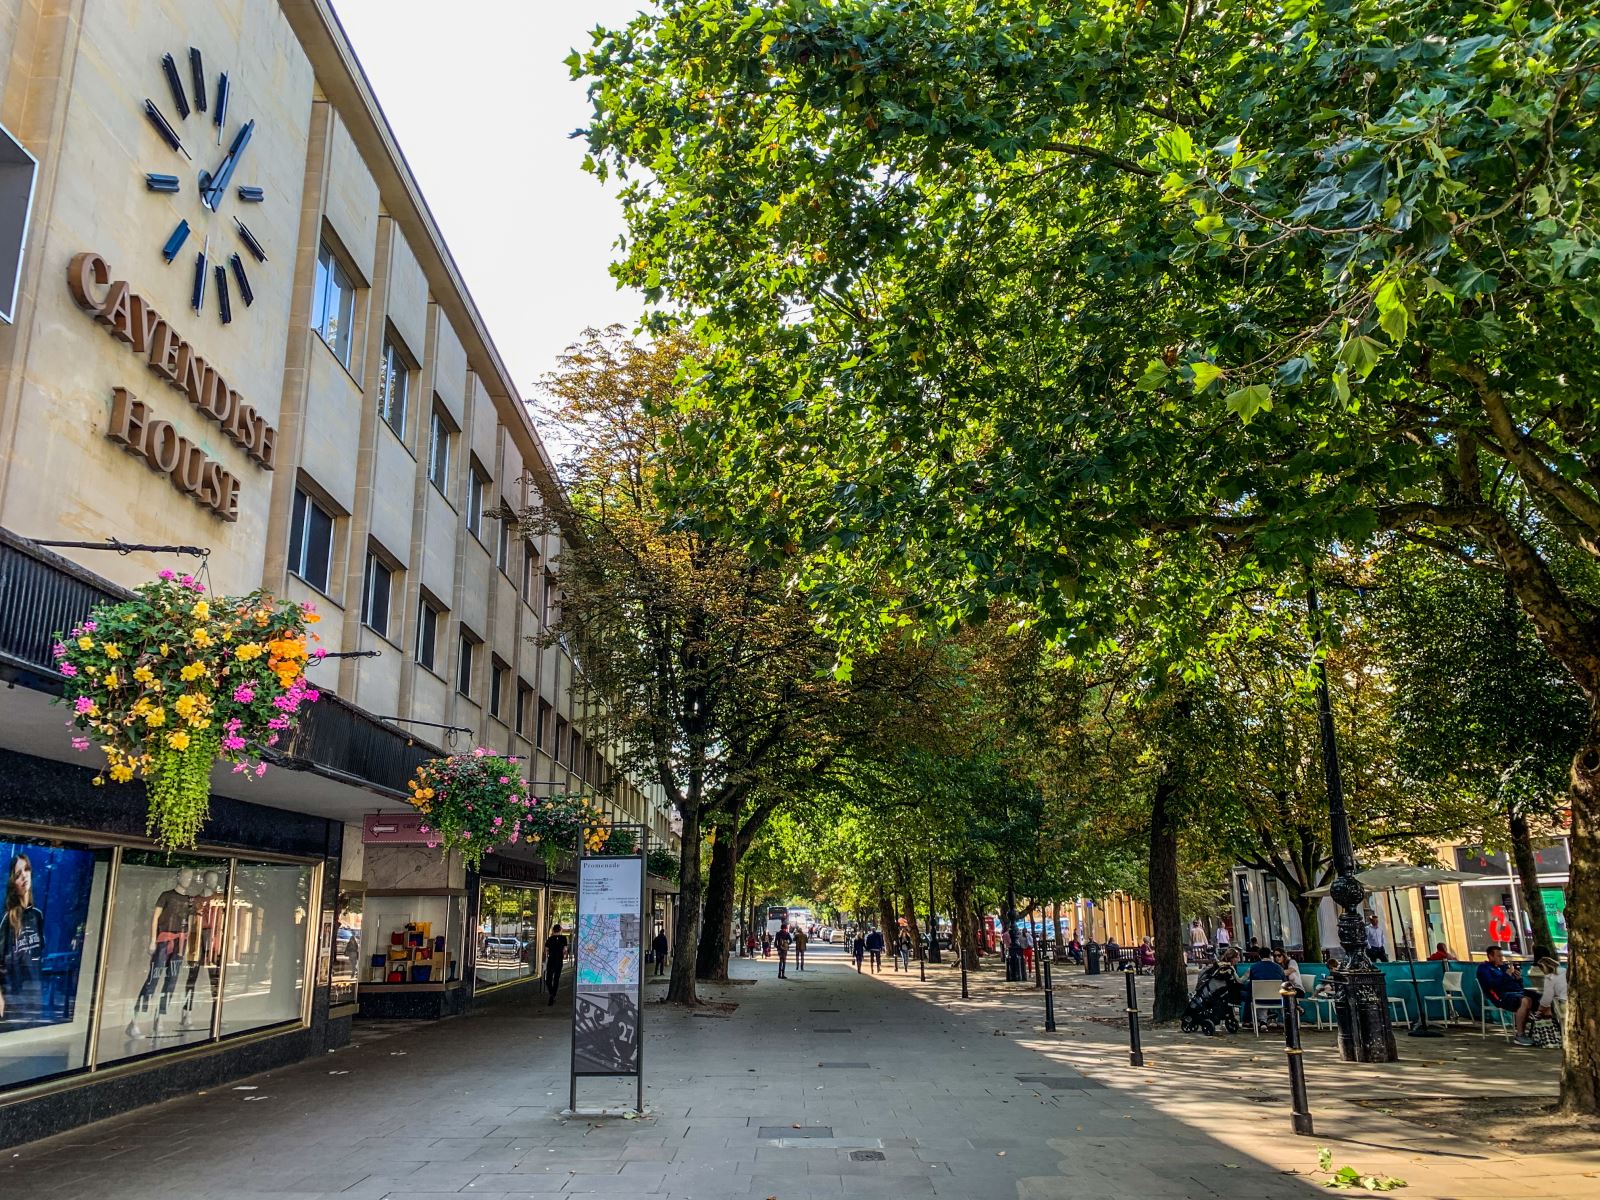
187 581
466 835
59 651
273 740
499 821
239 768
261 769
433 845
90 627
164 573
478 752
503 779
80 743
82 704
278 723
308 607
319 652
68 670
422 829
244 694
233 742
514 834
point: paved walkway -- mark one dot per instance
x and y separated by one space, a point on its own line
828 1085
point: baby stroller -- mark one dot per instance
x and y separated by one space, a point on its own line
1213 1002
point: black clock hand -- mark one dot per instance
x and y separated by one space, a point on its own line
212 191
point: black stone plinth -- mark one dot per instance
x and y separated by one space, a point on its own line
1361 1007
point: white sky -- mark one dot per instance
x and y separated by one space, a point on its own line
482 106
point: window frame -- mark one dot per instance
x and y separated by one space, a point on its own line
478 484
429 617
524 695
441 431
299 516
377 562
502 546
330 273
394 362
466 651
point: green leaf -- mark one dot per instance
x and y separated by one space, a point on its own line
1361 354
1155 376
1176 146
1205 374
1248 401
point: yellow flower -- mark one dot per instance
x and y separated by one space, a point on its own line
143 674
248 651
156 718
165 649
201 611
201 638
192 671
110 679
86 643
178 740
98 781
112 650
121 773
190 706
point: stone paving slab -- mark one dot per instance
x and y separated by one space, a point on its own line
470 1107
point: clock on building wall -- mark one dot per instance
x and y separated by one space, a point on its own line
211 155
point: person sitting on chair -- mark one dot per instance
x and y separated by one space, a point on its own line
1261 968
1441 953
1502 987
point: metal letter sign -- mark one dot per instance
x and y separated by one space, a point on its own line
608 948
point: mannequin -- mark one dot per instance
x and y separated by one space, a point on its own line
169 932
21 947
205 942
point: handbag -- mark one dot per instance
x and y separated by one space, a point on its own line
1544 1031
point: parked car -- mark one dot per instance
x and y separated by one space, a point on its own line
502 948
826 934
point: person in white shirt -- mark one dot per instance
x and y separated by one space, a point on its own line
1376 950
1552 991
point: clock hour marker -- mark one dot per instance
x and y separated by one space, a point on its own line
249 240
243 280
161 125
221 115
169 68
224 306
197 77
160 183
197 297
175 241
252 195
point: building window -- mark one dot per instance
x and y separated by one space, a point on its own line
394 378
530 570
477 487
465 652
552 599
502 548
428 633
575 753
333 304
440 432
497 686
559 752
541 731
375 596
311 541
524 706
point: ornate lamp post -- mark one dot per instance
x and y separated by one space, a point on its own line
1361 1003
933 920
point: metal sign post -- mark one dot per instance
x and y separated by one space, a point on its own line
609 940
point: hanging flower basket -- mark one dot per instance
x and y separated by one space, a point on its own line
170 681
556 823
473 802
663 863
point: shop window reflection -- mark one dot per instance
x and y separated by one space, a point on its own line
264 974
508 928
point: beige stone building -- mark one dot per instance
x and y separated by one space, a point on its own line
237 328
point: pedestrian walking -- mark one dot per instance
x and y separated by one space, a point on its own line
783 941
750 946
555 953
1376 950
800 940
858 950
903 950
875 949
1025 940
659 946
766 945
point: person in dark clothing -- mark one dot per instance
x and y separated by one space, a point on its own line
800 940
1500 984
555 953
875 948
858 950
1261 968
659 946
783 941
21 948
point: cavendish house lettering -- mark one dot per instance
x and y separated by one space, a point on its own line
167 452
131 319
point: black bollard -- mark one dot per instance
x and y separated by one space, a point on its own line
964 995
1300 1106
1049 1000
1135 1050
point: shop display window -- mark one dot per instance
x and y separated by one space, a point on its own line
50 923
349 947
264 981
165 953
1487 910
563 912
413 939
508 933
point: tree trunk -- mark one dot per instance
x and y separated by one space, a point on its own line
961 918
1058 951
681 988
886 915
744 911
1528 881
1166 916
908 909
1309 909
1580 1058
711 960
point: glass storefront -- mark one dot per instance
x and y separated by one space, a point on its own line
108 956
414 938
49 935
348 946
1488 911
508 933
